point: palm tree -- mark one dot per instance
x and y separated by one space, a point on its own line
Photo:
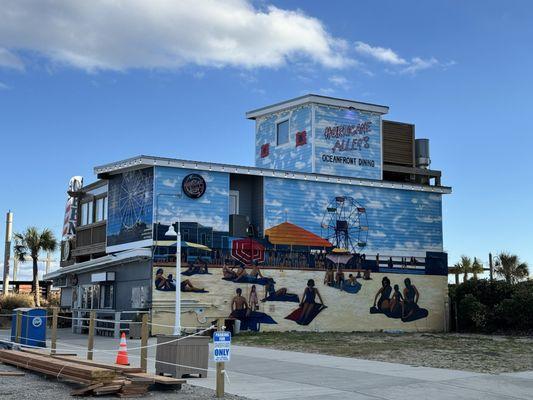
509 267
31 242
476 268
464 266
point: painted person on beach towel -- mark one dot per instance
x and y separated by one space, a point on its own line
308 299
187 286
162 283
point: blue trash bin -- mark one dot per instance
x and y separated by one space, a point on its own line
33 327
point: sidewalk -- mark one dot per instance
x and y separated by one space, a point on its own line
260 373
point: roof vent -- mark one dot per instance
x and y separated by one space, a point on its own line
422 153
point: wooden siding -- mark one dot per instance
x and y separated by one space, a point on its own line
398 143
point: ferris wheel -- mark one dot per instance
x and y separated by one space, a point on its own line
132 200
345 224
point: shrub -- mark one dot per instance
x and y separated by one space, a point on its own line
472 313
12 301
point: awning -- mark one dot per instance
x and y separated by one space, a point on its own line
293 235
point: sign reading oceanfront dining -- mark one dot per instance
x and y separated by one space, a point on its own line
348 142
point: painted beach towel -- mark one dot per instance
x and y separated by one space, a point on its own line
296 315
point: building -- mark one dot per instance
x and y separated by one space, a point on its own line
328 170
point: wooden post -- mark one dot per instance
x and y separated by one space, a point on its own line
18 327
144 342
54 331
90 340
220 365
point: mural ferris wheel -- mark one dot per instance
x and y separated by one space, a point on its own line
345 224
133 198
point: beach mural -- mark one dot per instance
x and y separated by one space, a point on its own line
394 303
130 212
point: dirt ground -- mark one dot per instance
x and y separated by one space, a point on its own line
468 352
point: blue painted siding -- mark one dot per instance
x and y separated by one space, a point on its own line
360 151
210 210
400 222
287 156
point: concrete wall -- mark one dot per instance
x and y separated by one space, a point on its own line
346 312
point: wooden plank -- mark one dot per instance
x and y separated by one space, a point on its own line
162 380
107 389
114 367
11 373
86 390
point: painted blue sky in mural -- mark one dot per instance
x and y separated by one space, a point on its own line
172 92
399 221
210 210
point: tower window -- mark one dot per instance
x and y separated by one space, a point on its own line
282 132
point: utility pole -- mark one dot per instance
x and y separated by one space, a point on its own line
48 262
491 268
7 250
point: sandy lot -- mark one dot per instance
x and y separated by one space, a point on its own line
479 353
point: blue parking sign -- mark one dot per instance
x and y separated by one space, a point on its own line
221 346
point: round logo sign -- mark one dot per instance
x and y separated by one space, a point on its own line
37 322
194 186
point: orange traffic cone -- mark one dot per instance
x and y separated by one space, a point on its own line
122 356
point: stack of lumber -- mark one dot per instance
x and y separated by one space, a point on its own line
66 370
98 378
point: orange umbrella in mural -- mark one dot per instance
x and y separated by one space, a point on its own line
293 235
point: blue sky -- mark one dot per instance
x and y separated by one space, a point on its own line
85 83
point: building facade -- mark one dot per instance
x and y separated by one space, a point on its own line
345 191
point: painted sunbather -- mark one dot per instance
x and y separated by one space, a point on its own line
329 277
308 299
162 283
238 303
241 272
383 304
411 296
339 278
228 272
396 303
253 301
187 286
351 281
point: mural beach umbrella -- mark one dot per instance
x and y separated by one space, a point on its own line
339 256
247 250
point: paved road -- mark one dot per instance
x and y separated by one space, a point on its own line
272 374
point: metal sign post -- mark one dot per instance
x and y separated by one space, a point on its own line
221 354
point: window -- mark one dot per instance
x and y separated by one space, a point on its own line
100 211
204 239
106 296
105 208
90 215
84 213
233 202
282 132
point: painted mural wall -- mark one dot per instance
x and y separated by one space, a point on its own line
385 301
387 221
337 141
347 142
130 213
296 155
210 210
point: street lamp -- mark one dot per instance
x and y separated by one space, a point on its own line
177 279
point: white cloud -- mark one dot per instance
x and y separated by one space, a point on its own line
8 59
419 64
380 53
3 86
339 80
389 56
123 34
